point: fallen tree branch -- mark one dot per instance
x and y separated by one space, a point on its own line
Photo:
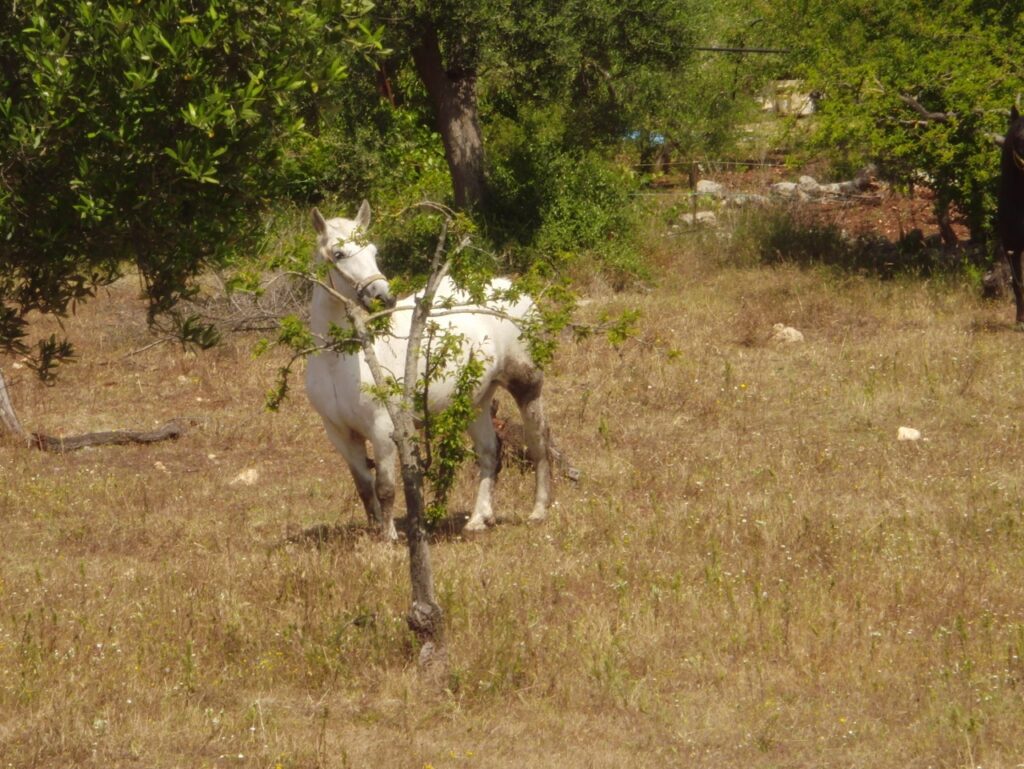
64 444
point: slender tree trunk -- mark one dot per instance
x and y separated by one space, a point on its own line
945 219
8 415
12 425
425 618
453 94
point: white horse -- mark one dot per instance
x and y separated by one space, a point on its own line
337 383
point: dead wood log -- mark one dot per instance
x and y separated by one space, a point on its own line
64 444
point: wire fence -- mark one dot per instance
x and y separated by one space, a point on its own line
709 165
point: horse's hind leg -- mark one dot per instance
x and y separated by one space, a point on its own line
485 444
353 449
526 389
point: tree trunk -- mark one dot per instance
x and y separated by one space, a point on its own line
453 94
425 618
8 415
945 220
62 445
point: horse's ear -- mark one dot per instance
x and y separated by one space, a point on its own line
319 223
363 217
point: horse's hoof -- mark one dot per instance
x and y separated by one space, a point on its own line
1019 325
537 517
475 527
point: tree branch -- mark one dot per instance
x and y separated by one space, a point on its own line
920 109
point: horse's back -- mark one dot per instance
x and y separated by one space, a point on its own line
479 325
338 386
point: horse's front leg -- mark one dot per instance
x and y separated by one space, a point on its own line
1014 258
352 448
485 444
385 456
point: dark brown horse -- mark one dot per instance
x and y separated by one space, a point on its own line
1010 214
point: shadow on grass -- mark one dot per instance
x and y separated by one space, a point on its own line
995 327
784 236
448 529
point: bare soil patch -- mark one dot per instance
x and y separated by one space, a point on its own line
881 211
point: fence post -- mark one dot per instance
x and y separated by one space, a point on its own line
693 189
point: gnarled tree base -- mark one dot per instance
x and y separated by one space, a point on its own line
426 620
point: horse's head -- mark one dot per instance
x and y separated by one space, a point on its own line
353 259
1013 145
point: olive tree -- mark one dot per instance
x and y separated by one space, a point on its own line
597 61
150 134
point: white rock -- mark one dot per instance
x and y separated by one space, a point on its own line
746 199
785 189
908 434
708 187
808 184
246 477
703 217
786 334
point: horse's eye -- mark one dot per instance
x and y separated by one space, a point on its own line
337 254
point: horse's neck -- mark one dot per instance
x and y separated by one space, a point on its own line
326 311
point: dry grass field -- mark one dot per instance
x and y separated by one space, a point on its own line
751 572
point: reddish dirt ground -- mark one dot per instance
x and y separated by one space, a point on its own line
880 211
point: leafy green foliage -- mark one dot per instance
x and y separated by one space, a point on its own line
191 331
608 64
363 147
550 201
151 133
921 87
445 447
560 87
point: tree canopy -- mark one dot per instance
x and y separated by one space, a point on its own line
920 87
150 134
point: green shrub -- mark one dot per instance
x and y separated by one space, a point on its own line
552 203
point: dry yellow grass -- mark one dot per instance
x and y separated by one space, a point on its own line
752 571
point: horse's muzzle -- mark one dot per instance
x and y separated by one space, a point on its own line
375 287
377 291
